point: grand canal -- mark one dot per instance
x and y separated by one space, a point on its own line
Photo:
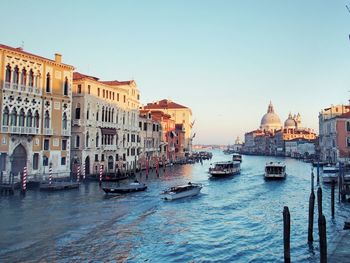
238 219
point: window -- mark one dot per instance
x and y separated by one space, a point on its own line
88 112
35 161
36 119
21 118
31 79
46 144
79 89
63 160
124 98
89 89
3 162
97 114
8 73
5 117
102 157
97 139
16 75
348 126
14 117
103 113
96 157
47 120
87 140
64 145
117 96
145 126
65 87
103 93
77 112
29 122
154 127
98 92
24 77
138 96
45 161
140 125
64 121
77 141
113 95
48 82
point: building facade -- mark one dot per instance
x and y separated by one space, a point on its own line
105 124
35 101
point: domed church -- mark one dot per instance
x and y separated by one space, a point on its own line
270 122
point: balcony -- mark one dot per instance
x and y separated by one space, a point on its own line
66 133
77 122
48 131
109 147
21 88
19 130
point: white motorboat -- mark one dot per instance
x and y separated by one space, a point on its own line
222 169
330 174
182 191
275 170
128 188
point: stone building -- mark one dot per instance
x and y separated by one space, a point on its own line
105 123
35 101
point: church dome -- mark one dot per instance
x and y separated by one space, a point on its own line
290 122
270 121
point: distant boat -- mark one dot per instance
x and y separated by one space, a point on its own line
128 188
181 191
222 169
236 157
330 174
275 170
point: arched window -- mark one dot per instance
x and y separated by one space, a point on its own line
97 113
112 118
88 112
21 118
8 73
47 120
29 122
77 112
36 119
31 78
64 121
116 139
65 87
37 80
24 77
5 117
109 115
48 82
97 139
16 75
14 117
103 113
87 140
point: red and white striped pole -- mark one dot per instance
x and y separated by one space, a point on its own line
101 171
78 173
83 171
24 180
50 174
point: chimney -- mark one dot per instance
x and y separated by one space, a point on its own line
58 58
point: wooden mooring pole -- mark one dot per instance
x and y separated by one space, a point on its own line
318 173
323 239
319 202
286 234
310 236
332 198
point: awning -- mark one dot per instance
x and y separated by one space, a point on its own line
109 131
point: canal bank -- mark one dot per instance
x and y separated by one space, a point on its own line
237 219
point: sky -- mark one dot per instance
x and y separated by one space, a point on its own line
226 60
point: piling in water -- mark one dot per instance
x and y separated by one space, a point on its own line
332 198
323 239
286 234
310 237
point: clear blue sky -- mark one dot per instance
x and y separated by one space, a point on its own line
224 59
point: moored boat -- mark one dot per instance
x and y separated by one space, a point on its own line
236 157
330 174
128 188
275 170
222 169
181 191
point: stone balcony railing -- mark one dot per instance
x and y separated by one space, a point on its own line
66 133
48 131
21 88
77 122
109 147
19 130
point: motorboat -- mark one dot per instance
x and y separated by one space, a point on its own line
222 169
181 191
236 157
128 188
330 174
275 170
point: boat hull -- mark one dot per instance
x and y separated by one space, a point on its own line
275 176
220 174
124 190
189 193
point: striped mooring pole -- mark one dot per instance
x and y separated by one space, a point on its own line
50 174
24 181
83 171
101 171
78 173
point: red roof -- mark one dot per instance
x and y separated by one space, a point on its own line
20 50
78 76
345 115
164 104
117 83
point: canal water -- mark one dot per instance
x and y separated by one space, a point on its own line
237 219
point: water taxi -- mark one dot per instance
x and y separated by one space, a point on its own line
236 157
330 174
222 169
181 191
128 188
275 170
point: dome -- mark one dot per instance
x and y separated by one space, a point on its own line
290 122
270 121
